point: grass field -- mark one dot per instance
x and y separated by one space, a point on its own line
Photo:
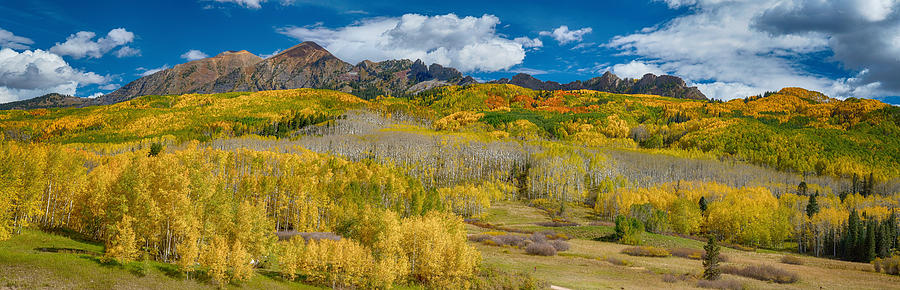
584 265
36 259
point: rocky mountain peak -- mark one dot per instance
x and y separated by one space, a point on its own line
665 85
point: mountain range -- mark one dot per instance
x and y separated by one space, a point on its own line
308 65
650 84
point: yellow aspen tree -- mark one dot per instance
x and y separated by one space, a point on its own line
122 245
240 262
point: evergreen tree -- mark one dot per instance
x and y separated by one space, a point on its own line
703 205
870 184
802 188
711 260
849 242
813 206
868 253
155 149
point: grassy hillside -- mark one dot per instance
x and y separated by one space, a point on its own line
36 259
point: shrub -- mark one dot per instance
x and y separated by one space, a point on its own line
763 273
720 284
554 235
478 238
510 240
617 261
489 242
557 224
793 260
538 238
559 245
628 230
742 248
540 249
669 278
694 254
646 251
491 278
887 265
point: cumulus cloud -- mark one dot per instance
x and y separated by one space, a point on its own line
10 40
563 35
717 47
529 42
635 69
193 54
127 51
82 44
33 73
467 43
863 34
736 48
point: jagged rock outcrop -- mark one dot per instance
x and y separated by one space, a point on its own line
665 85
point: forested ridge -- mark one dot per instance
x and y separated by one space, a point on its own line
375 193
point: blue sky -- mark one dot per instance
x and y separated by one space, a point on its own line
727 48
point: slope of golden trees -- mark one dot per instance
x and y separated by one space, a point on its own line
217 211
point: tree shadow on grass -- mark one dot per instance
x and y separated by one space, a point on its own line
275 276
66 251
170 271
75 236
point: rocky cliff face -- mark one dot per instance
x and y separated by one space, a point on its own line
306 65
183 78
665 85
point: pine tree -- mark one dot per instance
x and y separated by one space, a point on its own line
852 235
868 253
703 205
711 260
813 206
802 188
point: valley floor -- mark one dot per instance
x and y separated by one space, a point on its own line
36 259
584 266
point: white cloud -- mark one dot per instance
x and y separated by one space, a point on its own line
264 56
635 69
253 4
127 51
468 43
529 42
716 46
530 71
736 48
109 87
193 54
82 44
10 40
147 72
563 35
34 73
95 95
